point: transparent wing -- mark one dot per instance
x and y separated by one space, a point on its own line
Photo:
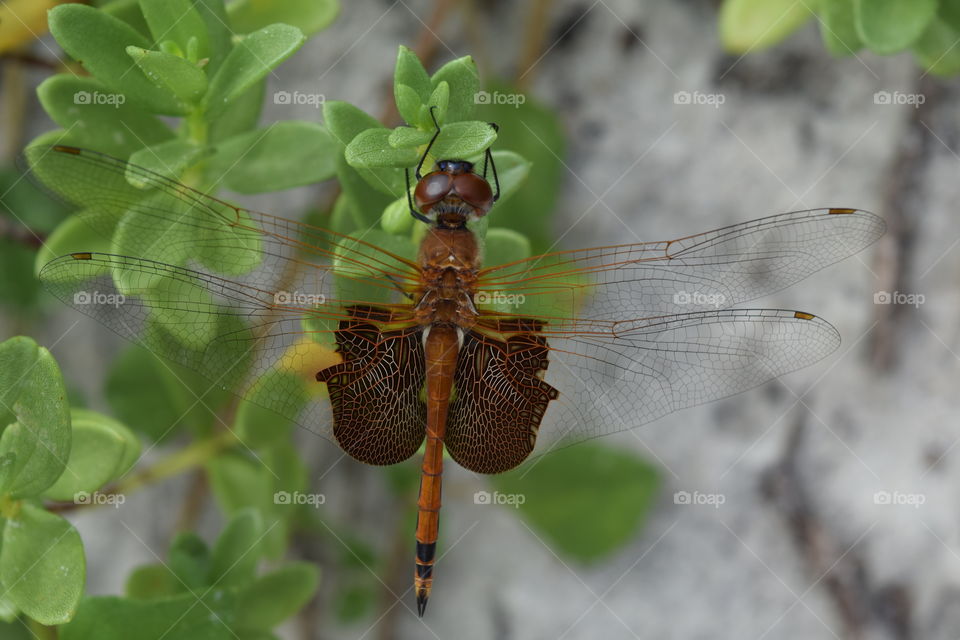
140 213
247 299
712 270
638 331
609 382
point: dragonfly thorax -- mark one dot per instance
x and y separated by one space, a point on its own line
449 258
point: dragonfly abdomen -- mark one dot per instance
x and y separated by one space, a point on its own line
441 346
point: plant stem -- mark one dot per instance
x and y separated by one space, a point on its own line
197 129
190 457
41 631
193 456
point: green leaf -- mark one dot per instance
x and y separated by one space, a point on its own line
889 26
242 116
504 246
534 132
29 213
40 438
310 16
238 482
838 27
217 28
129 12
355 602
396 217
99 41
156 398
258 427
17 356
182 78
357 282
31 203
512 170
99 118
178 21
102 450
501 246
276 596
18 288
937 49
174 319
201 616
950 12
750 25
249 62
152 581
42 566
440 98
371 149
406 137
461 140
284 155
14 629
74 235
464 80
170 159
558 496
189 560
345 121
236 553
408 103
409 71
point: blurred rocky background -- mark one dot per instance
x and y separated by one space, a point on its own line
821 505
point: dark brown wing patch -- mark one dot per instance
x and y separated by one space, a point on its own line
379 417
500 399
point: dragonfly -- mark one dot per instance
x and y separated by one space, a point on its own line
387 354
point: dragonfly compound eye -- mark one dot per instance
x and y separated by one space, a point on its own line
431 189
474 190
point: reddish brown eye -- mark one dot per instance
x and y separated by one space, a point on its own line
474 190
431 189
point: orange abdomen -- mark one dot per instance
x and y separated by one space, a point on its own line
440 354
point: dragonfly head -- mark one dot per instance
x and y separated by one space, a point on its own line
453 188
